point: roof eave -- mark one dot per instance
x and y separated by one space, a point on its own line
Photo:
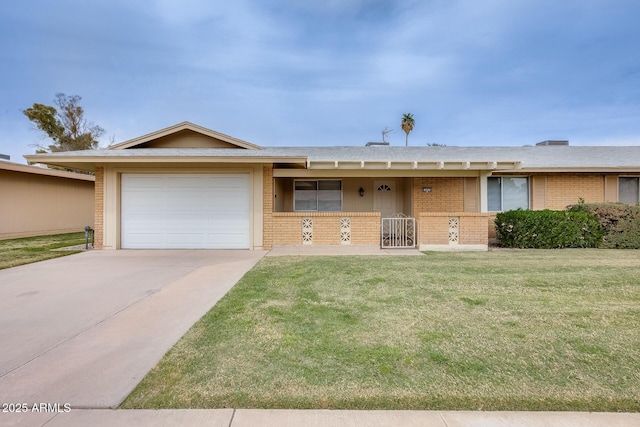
614 169
66 160
46 172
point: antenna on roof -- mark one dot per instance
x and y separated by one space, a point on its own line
385 132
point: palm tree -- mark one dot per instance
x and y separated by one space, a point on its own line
407 125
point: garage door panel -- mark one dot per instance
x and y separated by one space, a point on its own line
227 241
143 181
178 239
185 211
185 181
146 240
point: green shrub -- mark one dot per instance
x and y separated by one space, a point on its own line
621 223
548 229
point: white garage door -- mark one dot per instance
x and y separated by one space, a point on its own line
189 211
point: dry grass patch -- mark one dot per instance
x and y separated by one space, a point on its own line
14 252
504 330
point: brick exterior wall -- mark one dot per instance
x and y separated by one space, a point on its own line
267 206
365 228
447 195
434 228
287 227
473 229
563 190
98 225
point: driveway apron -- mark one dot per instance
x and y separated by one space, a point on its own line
85 329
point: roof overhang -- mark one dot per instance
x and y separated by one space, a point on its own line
35 170
89 162
581 170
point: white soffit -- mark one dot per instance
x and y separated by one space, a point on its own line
414 165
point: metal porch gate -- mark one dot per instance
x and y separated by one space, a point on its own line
399 232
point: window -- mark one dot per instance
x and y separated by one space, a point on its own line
629 189
507 193
318 195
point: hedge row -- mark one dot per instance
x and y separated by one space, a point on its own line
548 229
621 223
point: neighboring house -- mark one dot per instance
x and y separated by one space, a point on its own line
38 201
190 187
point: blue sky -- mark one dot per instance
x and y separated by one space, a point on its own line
331 72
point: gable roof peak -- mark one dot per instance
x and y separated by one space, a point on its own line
188 126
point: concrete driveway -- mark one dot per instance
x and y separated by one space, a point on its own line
86 328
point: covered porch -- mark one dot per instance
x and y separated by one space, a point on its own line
438 212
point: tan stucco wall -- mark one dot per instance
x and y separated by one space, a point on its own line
34 204
186 139
351 200
611 188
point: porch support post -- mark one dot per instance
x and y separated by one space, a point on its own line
483 191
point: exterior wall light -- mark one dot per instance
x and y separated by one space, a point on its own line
361 191
426 189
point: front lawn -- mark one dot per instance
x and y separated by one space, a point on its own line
14 252
501 330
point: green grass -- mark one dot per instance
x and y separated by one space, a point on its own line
502 330
14 252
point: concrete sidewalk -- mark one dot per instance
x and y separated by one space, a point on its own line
313 418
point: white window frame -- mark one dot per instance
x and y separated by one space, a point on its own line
628 176
295 209
528 178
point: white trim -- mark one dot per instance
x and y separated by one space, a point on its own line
483 192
